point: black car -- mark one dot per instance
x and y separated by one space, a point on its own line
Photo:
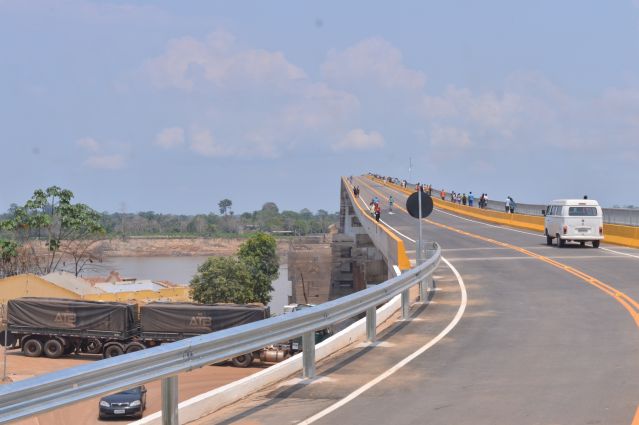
128 403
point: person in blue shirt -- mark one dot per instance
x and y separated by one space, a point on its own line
471 199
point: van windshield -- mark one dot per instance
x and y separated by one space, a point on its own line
582 211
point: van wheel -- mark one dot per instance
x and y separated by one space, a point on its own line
595 244
560 242
244 360
32 348
53 349
548 239
582 243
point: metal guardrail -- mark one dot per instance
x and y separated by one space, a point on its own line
54 390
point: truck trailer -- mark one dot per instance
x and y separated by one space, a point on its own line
56 326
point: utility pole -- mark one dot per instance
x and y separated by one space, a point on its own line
410 169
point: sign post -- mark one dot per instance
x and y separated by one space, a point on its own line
420 205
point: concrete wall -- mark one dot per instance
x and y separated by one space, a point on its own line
30 285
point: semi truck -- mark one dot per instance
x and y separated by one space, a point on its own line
55 327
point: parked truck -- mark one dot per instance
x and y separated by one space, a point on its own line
55 326
167 322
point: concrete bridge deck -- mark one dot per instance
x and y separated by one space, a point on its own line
549 336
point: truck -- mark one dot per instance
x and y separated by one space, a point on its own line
162 322
57 326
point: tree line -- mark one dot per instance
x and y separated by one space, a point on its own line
49 232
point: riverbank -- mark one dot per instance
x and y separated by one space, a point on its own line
179 247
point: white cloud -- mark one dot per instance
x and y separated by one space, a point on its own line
105 162
170 137
203 143
375 61
449 138
358 140
89 144
188 62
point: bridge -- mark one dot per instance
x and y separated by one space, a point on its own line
505 330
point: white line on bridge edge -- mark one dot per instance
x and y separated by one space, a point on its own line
406 360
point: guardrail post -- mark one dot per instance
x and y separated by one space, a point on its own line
308 354
405 304
170 400
371 324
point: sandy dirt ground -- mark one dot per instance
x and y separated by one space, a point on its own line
86 412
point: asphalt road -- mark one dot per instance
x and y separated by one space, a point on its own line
549 336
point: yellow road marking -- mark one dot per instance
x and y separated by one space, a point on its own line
627 302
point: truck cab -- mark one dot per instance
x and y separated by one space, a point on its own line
578 220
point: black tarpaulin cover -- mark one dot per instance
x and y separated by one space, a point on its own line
197 318
59 313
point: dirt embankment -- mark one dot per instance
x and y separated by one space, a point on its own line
155 247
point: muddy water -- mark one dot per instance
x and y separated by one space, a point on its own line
180 270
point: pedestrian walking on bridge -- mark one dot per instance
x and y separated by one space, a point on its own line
391 201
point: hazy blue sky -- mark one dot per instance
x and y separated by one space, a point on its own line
172 106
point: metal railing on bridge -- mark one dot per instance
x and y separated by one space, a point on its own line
51 391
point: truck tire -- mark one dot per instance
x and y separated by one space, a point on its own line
134 346
32 348
244 360
113 349
53 348
548 239
92 346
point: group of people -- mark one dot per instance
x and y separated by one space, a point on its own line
457 198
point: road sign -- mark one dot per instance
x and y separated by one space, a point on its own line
412 205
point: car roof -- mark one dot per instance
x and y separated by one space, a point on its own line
576 202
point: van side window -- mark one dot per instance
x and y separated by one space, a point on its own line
582 211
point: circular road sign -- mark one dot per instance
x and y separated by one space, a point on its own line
412 204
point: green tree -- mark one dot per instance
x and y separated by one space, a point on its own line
225 206
68 230
259 255
8 257
222 280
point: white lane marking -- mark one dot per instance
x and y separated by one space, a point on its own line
397 270
558 257
620 252
527 233
489 225
405 361
387 225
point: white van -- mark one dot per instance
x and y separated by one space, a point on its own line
579 220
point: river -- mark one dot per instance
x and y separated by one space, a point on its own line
180 270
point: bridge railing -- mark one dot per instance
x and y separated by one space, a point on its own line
54 390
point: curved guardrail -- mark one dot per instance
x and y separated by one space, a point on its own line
54 390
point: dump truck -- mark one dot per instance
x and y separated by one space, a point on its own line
56 326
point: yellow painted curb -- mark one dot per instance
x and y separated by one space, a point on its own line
614 233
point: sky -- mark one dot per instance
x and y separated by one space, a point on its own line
173 106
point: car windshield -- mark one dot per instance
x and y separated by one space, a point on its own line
135 390
582 211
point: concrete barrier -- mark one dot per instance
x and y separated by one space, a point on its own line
391 246
207 403
613 233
